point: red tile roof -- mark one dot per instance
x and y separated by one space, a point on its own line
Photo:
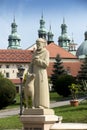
15 56
22 56
73 67
25 56
55 49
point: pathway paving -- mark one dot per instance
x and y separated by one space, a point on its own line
16 111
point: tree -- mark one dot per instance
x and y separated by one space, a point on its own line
82 74
58 70
1 75
7 92
62 84
60 79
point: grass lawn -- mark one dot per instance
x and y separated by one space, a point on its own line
12 122
73 114
70 114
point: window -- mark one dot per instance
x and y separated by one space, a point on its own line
7 75
7 66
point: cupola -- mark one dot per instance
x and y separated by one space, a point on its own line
14 38
64 40
42 33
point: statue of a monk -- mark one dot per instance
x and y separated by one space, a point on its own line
38 67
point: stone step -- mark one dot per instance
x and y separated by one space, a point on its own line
69 126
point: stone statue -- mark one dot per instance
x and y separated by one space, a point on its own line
29 90
38 67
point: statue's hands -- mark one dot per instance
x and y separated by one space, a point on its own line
36 59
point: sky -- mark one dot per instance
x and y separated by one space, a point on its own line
28 13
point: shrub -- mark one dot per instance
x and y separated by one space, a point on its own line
62 84
7 92
74 89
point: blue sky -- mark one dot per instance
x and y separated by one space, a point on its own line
28 13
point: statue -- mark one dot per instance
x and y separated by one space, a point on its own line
29 90
38 68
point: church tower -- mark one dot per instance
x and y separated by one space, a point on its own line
42 33
50 36
72 46
14 39
64 40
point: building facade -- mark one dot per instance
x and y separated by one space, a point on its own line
14 56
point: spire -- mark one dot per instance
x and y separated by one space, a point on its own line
72 39
64 40
14 39
63 27
63 20
85 35
42 33
14 26
42 16
50 36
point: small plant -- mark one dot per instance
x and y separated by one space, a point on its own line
74 89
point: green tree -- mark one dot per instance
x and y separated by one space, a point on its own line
58 70
82 74
7 92
1 75
62 84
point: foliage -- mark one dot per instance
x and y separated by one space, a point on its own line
74 89
25 77
1 75
54 96
82 74
62 84
58 70
7 92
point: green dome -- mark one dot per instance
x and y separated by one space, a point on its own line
14 36
42 30
86 32
63 37
82 50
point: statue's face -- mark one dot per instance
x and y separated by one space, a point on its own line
39 45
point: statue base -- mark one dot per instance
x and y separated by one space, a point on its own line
38 111
38 119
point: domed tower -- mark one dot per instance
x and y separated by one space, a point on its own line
42 33
82 49
50 36
14 39
64 40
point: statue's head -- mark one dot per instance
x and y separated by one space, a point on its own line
41 43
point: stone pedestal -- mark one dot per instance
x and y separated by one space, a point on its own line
38 119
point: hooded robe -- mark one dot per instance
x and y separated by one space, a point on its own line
38 66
